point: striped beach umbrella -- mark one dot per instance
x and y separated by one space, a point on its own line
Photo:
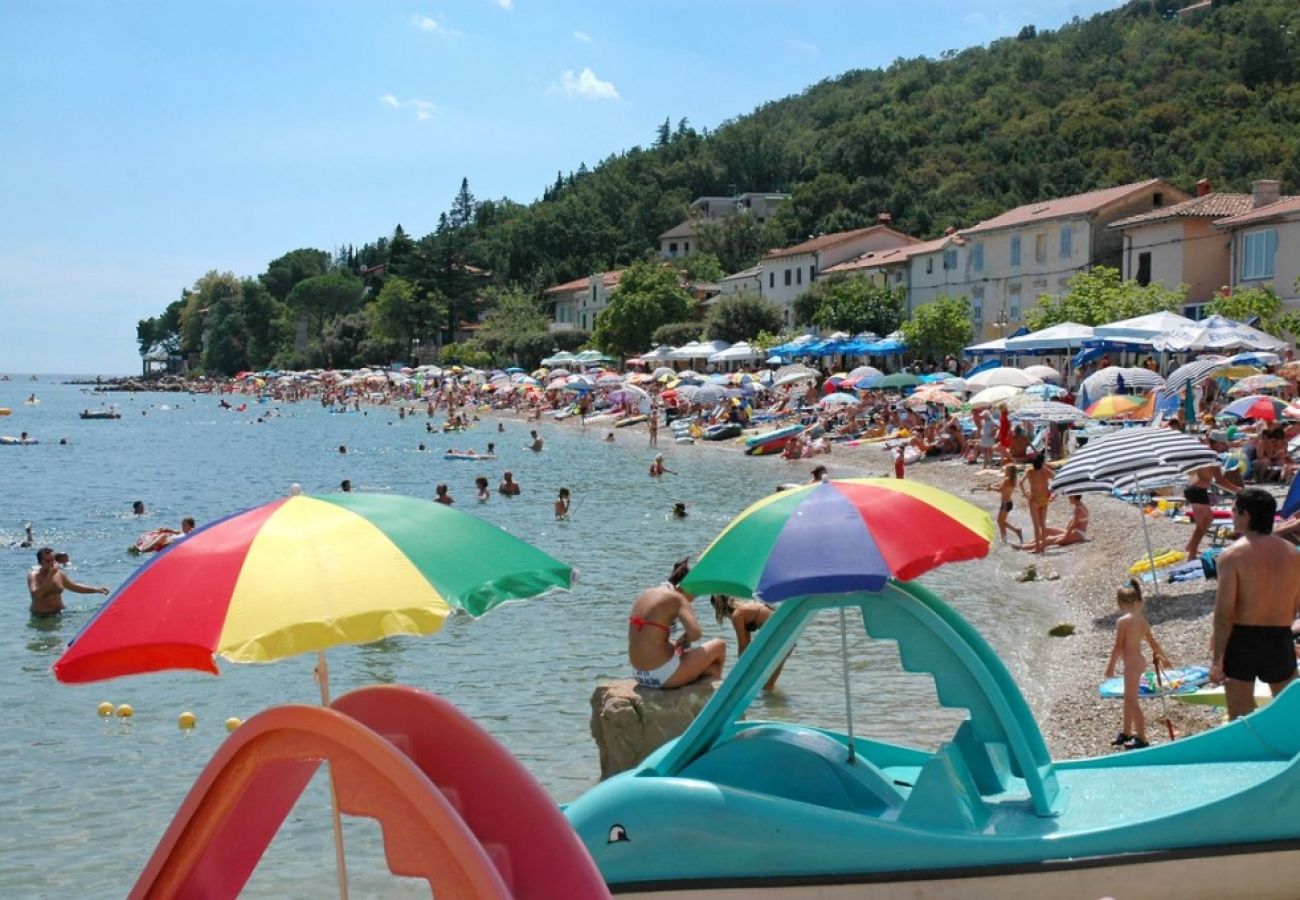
1193 372
1108 381
302 574
1050 411
1258 384
1269 409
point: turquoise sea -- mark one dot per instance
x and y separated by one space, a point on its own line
85 799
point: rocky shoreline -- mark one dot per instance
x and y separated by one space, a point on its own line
1079 583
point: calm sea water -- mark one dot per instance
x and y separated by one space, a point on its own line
86 799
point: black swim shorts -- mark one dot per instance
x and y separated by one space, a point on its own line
1266 652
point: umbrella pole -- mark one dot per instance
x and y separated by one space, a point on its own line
1146 536
323 679
848 699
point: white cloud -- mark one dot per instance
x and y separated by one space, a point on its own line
423 109
582 37
586 85
433 26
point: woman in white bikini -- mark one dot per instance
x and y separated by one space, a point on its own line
659 661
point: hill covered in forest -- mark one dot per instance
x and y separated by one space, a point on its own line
1140 91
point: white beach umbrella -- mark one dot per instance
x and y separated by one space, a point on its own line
864 372
956 386
1044 373
1002 375
992 396
838 399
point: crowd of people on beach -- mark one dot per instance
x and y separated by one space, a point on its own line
919 423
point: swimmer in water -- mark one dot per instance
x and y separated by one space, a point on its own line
46 584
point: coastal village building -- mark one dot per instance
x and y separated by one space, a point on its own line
891 267
1265 243
1178 244
1006 263
577 302
680 240
784 275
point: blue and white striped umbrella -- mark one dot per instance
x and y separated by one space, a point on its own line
1131 453
1194 372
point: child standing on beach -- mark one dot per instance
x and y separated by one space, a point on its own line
562 505
1130 631
1005 489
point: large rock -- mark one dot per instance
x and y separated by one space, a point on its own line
630 722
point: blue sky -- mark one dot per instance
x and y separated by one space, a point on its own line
145 143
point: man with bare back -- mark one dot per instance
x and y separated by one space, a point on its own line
1258 598
47 583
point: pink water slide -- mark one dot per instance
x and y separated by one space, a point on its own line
455 807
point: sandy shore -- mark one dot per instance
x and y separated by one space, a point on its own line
1077 721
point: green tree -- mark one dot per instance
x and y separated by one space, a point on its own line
647 296
399 315
736 241
742 317
466 354
699 267
264 321
283 274
322 297
1099 296
851 304
938 328
1262 303
674 334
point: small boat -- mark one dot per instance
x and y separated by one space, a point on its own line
8 440
630 420
468 457
5 411
100 414
722 431
782 809
155 540
771 442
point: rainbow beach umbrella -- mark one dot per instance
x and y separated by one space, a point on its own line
302 574
1258 407
840 536
1114 405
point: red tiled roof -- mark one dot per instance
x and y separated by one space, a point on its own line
826 241
1210 206
1062 207
894 256
1283 207
608 279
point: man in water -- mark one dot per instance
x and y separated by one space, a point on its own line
137 508
536 445
346 486
47 582
187 524
508 485
1258 599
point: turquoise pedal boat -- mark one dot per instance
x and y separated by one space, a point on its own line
738 808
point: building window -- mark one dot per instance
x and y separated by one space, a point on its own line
1066 241
1158 199
1013 304
929 266
1144 269
798 276
950 259
672 249
687 248
787 278
1040 248
1015 250
977 257
771 279
584 321
1257 251
1194 311
898 276
977 307
812 274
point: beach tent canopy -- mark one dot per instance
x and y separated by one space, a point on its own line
739 352
560 359
1065 336
988 348
1218 333
592 356
698 350
1142 329
658 354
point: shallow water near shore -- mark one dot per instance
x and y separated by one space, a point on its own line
88 798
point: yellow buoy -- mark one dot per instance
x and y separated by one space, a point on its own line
232 723
186 720
125 711
105 708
